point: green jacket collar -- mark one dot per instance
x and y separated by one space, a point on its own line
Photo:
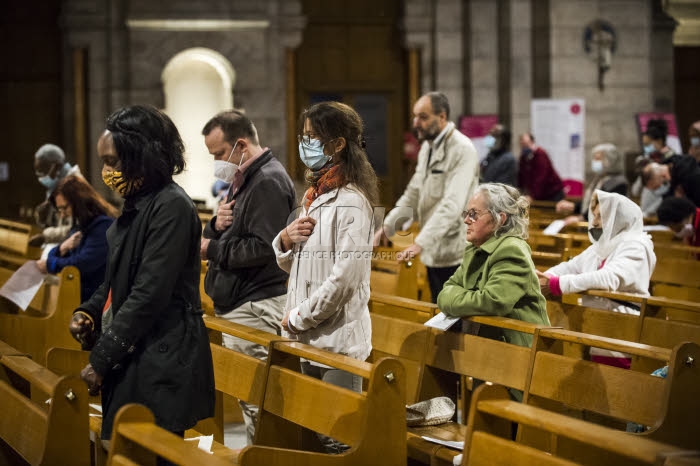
492 244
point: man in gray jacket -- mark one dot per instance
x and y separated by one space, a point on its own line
243 278
447 173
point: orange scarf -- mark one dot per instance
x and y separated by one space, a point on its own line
322 181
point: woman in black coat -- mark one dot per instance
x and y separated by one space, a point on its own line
144 324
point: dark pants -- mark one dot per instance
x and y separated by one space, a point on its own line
437 276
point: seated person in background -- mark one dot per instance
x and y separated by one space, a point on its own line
606 165
654 141
499 165
51 167
681 172
694 138
537 177
621 258
497 275
86 246
681 216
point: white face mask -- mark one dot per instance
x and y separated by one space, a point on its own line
662 190
597 166
695 141
225 170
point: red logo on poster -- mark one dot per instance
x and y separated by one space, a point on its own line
575 109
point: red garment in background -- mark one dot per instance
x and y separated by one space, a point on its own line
538 178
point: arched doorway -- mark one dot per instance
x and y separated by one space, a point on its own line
197 84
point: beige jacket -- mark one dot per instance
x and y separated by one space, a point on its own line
328 287
437 195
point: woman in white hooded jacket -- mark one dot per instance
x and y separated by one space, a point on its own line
327 250
621 258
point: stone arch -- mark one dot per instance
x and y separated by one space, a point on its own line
197 83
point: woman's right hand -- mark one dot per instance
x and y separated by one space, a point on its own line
565 207
297 232
82 329
71 243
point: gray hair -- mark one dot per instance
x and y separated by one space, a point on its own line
439 102
503 199
612 155
50 153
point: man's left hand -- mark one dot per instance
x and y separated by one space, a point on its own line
92 379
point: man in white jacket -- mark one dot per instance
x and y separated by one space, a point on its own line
447 173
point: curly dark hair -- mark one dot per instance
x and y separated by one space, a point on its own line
84 201
657 130
148 145
332 120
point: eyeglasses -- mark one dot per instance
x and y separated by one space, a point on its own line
306 139
472 214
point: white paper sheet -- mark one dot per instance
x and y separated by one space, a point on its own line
554 227
447 443
655 228
441 321
204 442
23 285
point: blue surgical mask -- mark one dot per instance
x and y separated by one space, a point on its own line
662 190
312 154
597 166
489 141
695 141
686 232
649 149
48 182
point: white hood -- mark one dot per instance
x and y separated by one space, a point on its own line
622 221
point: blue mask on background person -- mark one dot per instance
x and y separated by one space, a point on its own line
649 149
686 232
662 190
48 182
489 141
695 141
597 166
312 154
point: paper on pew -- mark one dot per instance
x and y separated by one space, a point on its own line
205 442
554 227
655 228
447 443
457 460
441 321
23 285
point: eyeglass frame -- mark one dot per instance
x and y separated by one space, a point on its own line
473 214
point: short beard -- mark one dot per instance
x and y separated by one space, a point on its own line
430 133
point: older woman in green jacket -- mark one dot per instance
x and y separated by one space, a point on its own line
497 276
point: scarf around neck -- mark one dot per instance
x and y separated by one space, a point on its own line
322 181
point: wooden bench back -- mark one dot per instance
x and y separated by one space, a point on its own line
391 277
14 240
37 330
402 308
489 436
560 379
137 440
42 434
372 423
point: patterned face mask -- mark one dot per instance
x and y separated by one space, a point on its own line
115 181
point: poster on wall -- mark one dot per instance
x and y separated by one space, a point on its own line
558 126
476 127
672 140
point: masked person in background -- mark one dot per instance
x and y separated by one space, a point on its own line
86 245
537 177
499 166
681 216
606 165
51 167
621 258
144 324
243 278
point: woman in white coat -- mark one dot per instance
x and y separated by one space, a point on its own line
327 250
621 258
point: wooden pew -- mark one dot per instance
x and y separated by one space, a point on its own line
488 440
394 278
41 434
676 278
137 440
402 308
558 381
14 243
371 423
46 326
